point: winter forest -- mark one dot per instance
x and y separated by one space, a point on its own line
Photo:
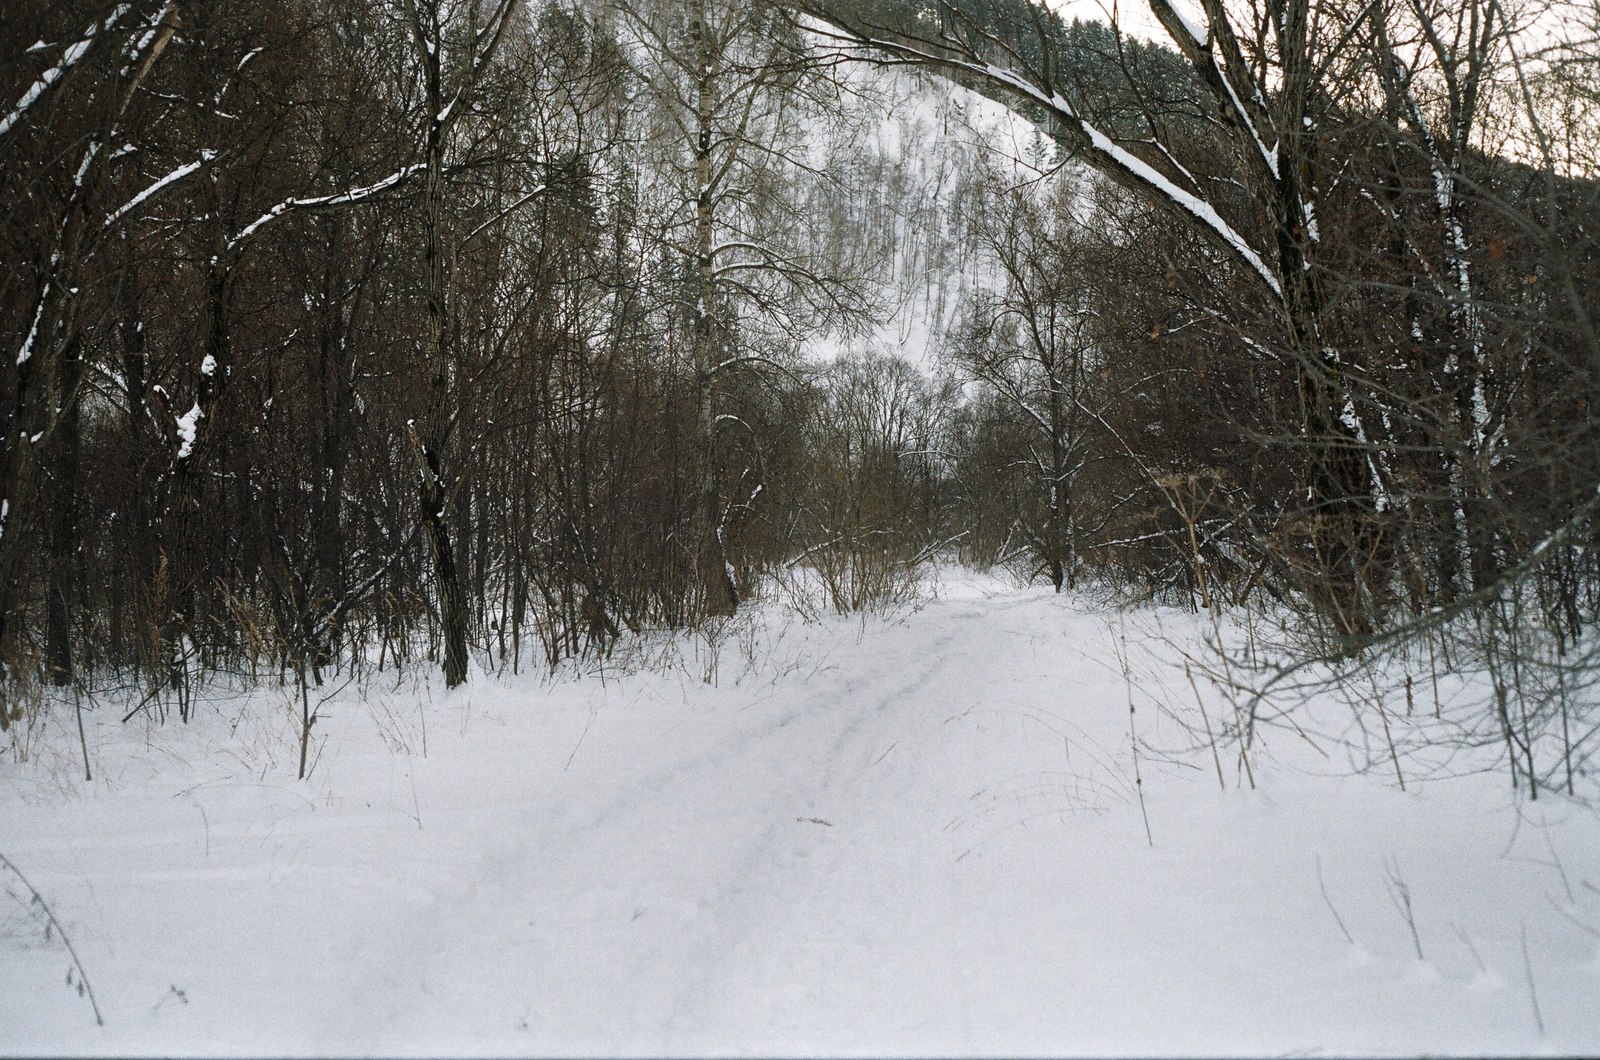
671 527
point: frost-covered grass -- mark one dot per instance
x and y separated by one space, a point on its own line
908 833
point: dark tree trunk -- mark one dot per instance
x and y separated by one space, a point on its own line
63 544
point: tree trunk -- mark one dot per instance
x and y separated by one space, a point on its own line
433 493
64 539
1060 499
720 597
452 600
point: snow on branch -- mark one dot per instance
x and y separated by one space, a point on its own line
747 358
343 198
522 201
1199 35
171 178
188 430
75 54
38 314
1195 207
488 39
216 101
1101 152
1198 45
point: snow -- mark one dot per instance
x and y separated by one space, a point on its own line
188 425
936 135
38 317
343 198
176 175
916 833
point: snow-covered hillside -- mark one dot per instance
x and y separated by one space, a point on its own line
915 834
927 154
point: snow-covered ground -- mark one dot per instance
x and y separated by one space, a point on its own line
913 834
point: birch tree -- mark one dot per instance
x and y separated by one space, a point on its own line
1436 64
729 82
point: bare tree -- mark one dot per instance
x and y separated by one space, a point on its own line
870 512
453 49
1031 342
730 81
64 214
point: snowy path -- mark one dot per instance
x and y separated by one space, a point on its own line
915 836
726 885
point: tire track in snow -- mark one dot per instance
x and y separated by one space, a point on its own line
783 883
744 890
547 856
880 795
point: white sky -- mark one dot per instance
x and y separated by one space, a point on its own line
1133 15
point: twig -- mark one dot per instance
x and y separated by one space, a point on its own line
1574 921
1394 755
83 741
83 978
1337 919
1400 895
1133 738
1461 933
143 703
1215 757
1560 868
592 712
1533 993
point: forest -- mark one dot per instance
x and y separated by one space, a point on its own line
799 527
354 333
